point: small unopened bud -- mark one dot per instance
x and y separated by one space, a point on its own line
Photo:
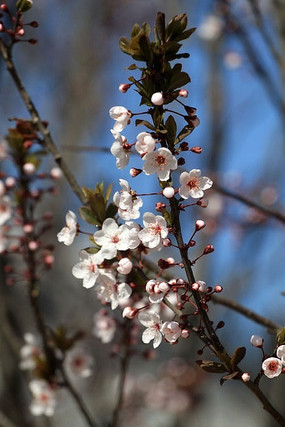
256 341
245 377
29 168
21 32
184 146
56 173
192 243
197 150
125 266
10 182
2 28
4 7
164 287
195 286
221 324
32 41
170 260
135 172
202 286
185 333
166 243
28 228
195 121
129 312
159 206
124 87
203 203
163 264
168 192
28 144
208 249
183 93
181 161
157 98
49 260
34 24
199 225
218 289
33 245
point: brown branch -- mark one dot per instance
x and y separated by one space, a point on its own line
48 140
245 200
257 318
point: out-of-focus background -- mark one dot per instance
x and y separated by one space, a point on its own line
237 68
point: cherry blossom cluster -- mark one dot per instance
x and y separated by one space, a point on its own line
271 366
46 390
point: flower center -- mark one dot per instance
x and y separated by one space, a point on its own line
115 239
273 366
160 160
193 183
154 229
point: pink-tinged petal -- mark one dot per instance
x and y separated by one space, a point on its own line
196 193
184 192
157 339
148 335
184 178
205 183
70 219
194 172
148 218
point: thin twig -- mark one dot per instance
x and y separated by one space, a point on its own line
48 140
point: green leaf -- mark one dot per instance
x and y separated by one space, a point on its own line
167 216
183 134
171 127
111 210
146 49
280 336
98 206
92 250
87 215
24 5
238 355
178 80
210 366
160 26
132 67
124 45
228 377
108 193
140 122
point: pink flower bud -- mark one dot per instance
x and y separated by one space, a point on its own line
10 182
197 150
203 203
124 87
56 173
125 266
129 312
29 168
185 333
170 260
218 289
245 377
28 228
157 98
49 260
208 249
195 121
21 32
166 243
149 287
183 93
135 172
195 286
256 341
199 225
33 245
168 192
163 287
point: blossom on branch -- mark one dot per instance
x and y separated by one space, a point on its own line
127 202
68 233
44 398
104 326
193 185
171 331
112 238
272 367
122 117
29 352
155 230
145 143
79 363
88 268
152 321
161 162
109 291
5 209
121 150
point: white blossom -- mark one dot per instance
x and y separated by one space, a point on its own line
211 28
5 209
68 233
156 290
29 352
145 143
155 230
281 353
44 398
256 340
152 322
272 367
109 291
161 162
133 230
104 326
121 150
122 117
171 331
88 268
127 202
79 363
112 238
193 185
